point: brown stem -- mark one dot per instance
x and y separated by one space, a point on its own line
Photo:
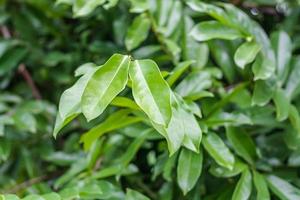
22 68
30 183
26 75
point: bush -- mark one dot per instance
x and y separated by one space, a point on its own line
188 99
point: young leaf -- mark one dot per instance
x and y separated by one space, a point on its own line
242 143
150 91
214 30
215 146
283 189
246 53
105 84
261 186
243 188
189 169
137 32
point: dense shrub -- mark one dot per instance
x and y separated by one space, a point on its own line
172 99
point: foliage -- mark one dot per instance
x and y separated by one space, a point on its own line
177 99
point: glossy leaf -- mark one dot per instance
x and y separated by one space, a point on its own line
263 92
219 171
105 84
214 145
69 104
137 32
243 188
214 30
246 53
282 46
261 186
189 169
242 143
82 8
282 189
150 91
282 104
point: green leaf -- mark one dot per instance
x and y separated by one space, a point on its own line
51 196
215 146
261 186
194 83
263 68
115 121
214 30
246 53
222 172
139 6
243 188
192 50
282 104
69 103
183 128
33 197
263 92
25 120
210 9
134 195
83 8
11 59
242 143
133 148
189 169
282 46
294 118
9 197
178 71
293 81
105 84
220 51
138 31
124 102
150 91
283 189
174 18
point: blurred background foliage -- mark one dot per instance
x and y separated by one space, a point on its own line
43 42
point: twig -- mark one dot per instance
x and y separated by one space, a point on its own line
26 184
26 75
22 68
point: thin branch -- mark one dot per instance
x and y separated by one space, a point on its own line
22 68
31 182
26 75
26 184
